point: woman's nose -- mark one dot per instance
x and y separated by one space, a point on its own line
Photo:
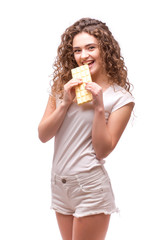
84 54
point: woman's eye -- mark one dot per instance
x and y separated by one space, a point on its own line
76 50
91 48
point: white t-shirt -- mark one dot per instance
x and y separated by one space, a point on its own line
73 149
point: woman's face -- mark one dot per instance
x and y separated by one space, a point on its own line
86 51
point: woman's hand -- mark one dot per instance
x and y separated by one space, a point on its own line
97 93
69 90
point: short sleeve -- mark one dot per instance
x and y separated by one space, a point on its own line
123 99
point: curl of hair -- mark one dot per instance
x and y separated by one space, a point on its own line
110 51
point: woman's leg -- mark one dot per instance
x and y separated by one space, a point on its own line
92 227
65 223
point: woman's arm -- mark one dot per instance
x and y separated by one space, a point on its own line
51 120
53 117
105 136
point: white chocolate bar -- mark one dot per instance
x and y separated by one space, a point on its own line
82 94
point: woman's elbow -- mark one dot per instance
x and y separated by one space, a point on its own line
103 153
41 136
43 140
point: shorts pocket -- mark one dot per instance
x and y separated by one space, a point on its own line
111 189
94 187
53 184
107 186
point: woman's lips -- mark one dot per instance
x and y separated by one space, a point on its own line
90 63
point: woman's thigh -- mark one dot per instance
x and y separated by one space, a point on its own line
90 227
65 223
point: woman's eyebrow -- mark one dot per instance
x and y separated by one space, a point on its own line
87 45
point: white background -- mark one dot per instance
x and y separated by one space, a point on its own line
30 33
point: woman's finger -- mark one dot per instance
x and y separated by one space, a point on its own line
93 88
72 83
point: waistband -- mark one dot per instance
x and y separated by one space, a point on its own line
95 172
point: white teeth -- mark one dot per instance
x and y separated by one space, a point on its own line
88 62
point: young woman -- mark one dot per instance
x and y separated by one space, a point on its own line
82 195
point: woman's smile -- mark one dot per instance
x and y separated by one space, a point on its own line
86 51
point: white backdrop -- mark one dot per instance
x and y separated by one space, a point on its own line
30 34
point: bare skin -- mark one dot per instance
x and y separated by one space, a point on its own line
92 227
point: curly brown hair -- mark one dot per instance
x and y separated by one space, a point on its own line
110 51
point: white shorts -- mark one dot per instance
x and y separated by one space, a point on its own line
83 194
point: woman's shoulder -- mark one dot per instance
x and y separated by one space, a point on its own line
117 91
117 96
